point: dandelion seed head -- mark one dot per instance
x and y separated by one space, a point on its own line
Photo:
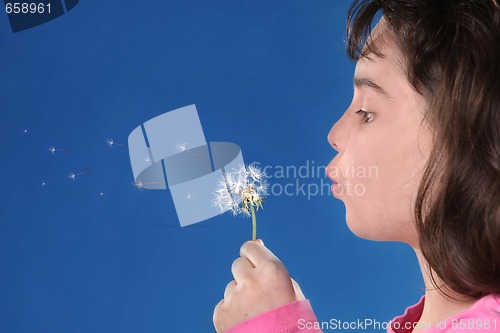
241 188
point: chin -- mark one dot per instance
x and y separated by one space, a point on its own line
366 227
360 227
363 232
374 230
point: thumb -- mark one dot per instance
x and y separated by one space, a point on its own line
298 292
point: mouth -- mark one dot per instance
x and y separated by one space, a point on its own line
334 187
335 184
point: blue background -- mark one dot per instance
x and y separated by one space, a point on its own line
271 76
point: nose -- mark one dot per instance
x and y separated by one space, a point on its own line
338 134
332 142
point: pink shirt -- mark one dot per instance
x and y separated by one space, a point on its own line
482 317
298 317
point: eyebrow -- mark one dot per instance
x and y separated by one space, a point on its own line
366 82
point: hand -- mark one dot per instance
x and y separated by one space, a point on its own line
261 283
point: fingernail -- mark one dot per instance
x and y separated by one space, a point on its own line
260 241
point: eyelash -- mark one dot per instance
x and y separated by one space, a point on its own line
368 116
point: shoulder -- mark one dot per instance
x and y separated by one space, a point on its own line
486 307
482 316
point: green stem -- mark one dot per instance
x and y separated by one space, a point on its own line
254 224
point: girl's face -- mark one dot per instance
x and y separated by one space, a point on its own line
382 149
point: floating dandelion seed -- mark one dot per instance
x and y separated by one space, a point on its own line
247 187
53 150
182 147
73 175
140 185
25 130
112 143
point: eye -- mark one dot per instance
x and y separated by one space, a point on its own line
367 116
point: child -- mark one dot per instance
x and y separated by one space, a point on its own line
426 113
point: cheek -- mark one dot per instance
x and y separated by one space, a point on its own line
379 188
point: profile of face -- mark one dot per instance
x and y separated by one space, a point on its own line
382 147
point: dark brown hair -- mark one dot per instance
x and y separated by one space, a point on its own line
451 56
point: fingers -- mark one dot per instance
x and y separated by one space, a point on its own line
229 289
257 253
216 316
241 268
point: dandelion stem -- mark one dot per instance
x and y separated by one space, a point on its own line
254 224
